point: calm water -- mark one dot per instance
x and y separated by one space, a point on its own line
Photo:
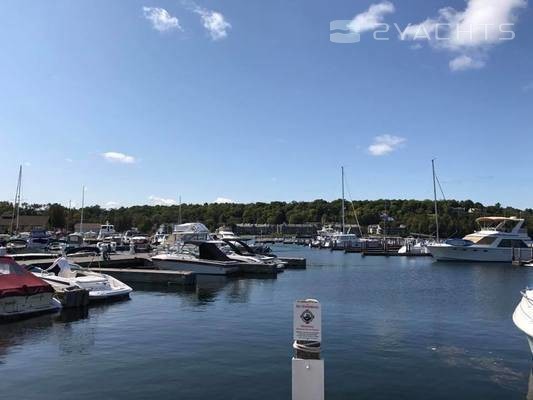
392 328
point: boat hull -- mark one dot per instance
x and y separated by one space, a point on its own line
25 306
475 253
523 317
196 267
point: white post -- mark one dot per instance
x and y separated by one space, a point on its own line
307 367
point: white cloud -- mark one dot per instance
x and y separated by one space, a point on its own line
161 20
370 19
112 204
160 201
469 33
69 160
385 144
113 156
462 63
214 22
223 200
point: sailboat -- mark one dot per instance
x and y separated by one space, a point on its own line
343 240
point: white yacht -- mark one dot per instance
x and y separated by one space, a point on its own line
345 240
106 230
199 256
62 274
226 233
238 250
499 239
523 316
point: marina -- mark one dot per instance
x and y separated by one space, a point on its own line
266 200
373 321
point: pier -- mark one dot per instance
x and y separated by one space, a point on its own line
153 276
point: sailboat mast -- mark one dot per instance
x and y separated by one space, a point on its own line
342 212
82 206
16 203
435 199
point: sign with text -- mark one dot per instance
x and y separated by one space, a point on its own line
307 320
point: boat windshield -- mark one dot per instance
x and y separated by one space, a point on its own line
8 268
485 240
497 225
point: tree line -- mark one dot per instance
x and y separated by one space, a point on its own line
456 218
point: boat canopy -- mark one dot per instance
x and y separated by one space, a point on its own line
16 281
192 227
208 250
498 219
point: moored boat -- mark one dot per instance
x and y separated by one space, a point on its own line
21 293
62 274
201 257
499 239
523 316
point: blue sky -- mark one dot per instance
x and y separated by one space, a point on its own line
251 101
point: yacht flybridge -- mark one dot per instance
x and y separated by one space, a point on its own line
499 239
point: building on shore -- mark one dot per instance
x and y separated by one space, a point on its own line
26 222
87 227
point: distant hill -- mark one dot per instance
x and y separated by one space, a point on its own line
457 218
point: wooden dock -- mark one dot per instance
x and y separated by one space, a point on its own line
294 262
365 253
116 261
152 276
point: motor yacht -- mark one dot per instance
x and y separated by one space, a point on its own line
106 230
226 233
199 256
238 250
523 316
62 274
22 293
499 239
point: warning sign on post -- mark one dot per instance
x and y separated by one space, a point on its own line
307 320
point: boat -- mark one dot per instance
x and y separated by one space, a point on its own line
185 232
523 315
62 274
499 239
238 250
106 230
199 256
414 246
38 239
226 233
23 294
342 241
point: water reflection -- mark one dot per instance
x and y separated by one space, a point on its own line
15 333
530 386
72 314
497 370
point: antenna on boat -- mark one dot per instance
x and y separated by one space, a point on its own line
342 212
68 217
82 206
16 203
435 198
179 209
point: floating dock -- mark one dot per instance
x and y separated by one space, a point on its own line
294 262
365 253
153 276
